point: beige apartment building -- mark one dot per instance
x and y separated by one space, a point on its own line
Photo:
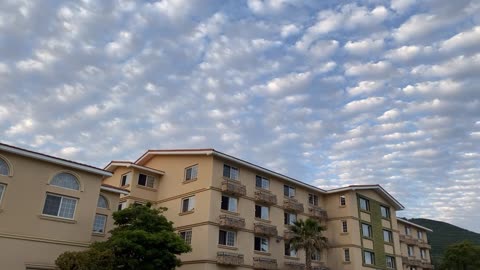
416 252
48 206
235 214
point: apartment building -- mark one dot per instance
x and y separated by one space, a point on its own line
414 246
48 206
236 214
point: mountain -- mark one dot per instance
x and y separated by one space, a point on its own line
443 235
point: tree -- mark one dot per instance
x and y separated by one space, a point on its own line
461 256
142 239
307 235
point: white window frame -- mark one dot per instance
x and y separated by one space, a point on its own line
371 257
263 240
230 170
121 206
420 235
149 180
291 251
392 266
60 206
410 251
106 202
314 197
387 212
127 179
290 218
3 188
104 223
191 204
264 182
68 173
193 173
7 166
230 238
423 253
344 226
264 212
367 204
232 203
343 200
369 230
186 235
291 191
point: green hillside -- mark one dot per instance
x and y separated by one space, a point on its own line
444 234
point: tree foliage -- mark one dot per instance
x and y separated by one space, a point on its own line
461 256
307 235
142 239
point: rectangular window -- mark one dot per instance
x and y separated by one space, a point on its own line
191 173
59 206
423 253
420 234
387 236
407 230
125 180
230 172
2 190
262 182
122 205
289 251
261 212
316 256
385 211
289 218
366 230
412 268
188 204
344 226
186 236
346 255
288 191
364 204
410 250
226 238
390 262
261 244
343 200
229 203
369 257
146 180
313 199
99 223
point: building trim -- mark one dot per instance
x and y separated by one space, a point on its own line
114 189
401 220
113 164
43 240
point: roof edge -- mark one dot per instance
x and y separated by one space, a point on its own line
413 224
114 189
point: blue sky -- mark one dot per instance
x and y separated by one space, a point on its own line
330 92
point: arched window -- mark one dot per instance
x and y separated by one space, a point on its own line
4 169
102 202
65 180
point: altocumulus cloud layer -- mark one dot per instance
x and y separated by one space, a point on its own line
329 92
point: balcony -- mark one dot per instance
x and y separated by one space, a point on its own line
287 235
407 239
228 258
264 263
233 187
294 266
411 261
264 229
322 267
318 213
424 245
265 197
292 205
426 265
232 222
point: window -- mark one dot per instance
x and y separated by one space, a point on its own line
410 250
102 202
387 236
343 200
191 173
230 172
385 211
122 205
65 180
346 255
262 182
313 199
188 204
186 236
407 230
344 226
99 223
390 262
412 268
229 203
366 230
261 244
368 257
2 190
288 191
316 256
290 251
4 169
261 212
420 234
423 253
59 206
364 204
125 180
146 180
226 238
289 218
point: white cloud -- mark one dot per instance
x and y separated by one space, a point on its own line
464 40
365 87
289 83
363 47
371 69
363 105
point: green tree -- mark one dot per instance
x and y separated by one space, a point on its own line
461 256
142 239
307 235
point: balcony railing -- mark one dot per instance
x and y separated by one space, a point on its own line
228 258
231 222
318 213
407 239
265 197
322 267
411 262
292 205
264 229
287 235
424 245
233 187
294 266
264 263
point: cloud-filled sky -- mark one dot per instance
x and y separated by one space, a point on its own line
330 92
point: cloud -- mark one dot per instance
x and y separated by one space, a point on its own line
363 47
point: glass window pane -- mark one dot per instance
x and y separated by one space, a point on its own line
224 204
99 223
188 174
4 170
2 190
65 180
258 181
102 202
234 173
52 205
231 239
142 179
222 237
67 208
264 244
226 171
232 205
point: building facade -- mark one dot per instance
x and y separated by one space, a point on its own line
416 252
48 206
236 214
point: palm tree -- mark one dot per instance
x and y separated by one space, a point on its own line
307 235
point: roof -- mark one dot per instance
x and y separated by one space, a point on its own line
54 160
403 220
115 164
379 189
114 189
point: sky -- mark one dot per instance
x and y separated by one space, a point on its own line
332 93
